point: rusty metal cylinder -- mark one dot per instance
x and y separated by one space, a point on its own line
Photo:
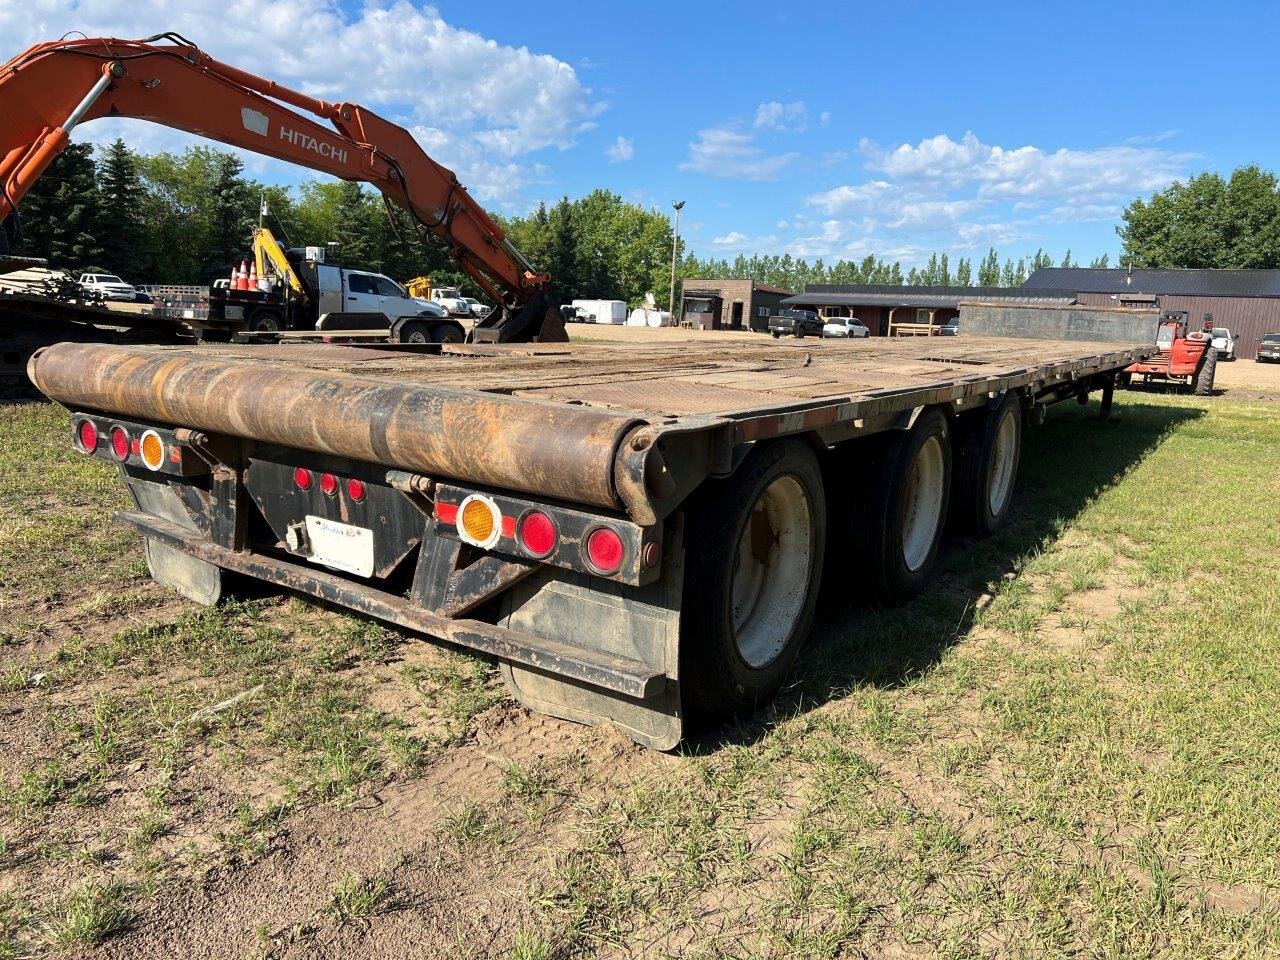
547 449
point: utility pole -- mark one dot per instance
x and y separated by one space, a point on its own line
675 245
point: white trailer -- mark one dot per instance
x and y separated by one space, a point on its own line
603 311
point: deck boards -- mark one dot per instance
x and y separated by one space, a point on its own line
682 379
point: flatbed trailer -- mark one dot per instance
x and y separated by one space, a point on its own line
636 532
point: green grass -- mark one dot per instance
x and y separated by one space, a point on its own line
1069 747
356 897
88 916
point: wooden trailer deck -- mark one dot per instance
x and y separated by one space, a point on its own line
657 381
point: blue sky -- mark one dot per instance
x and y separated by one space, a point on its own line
818 129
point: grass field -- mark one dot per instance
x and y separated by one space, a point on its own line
1069 747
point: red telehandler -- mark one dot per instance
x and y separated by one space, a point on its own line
1185 356
53 87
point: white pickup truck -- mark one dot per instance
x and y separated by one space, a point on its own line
109 286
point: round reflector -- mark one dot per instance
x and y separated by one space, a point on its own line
120 443
302 478
538 534
152 450
328 484
604 549
87 435
355 490
479 521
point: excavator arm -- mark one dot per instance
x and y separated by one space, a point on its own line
51 88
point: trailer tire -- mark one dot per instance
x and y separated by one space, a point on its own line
987 450
1203 383
899 512
415 331
448 333
265 321
755 545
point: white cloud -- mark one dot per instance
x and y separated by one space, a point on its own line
791 117
620 151
730 153
731 239
489 103
824 117
1027 171
965 194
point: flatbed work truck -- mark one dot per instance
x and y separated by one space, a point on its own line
636 532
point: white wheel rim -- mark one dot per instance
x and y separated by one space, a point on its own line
771 572
1003 455
924 504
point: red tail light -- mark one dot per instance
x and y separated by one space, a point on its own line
605 550
355 490
328 484
87 434
537 533
120 443
302 478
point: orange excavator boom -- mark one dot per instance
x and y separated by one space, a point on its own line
52 88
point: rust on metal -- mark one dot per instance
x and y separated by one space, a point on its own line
515 444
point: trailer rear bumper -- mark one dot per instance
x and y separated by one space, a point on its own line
602 671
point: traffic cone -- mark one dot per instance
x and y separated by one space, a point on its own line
253 276
235 279
244 276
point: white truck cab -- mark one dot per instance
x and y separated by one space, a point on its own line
452 300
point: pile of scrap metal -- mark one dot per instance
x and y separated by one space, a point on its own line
27 277
39 306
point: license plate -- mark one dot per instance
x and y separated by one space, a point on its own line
340 546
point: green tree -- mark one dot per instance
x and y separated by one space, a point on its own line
964 273
989 269
1102 262
127 248
1207 222
61 213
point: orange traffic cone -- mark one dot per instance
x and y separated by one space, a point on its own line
253 276
235 279
244 275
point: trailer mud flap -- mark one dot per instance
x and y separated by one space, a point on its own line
195 579
637 623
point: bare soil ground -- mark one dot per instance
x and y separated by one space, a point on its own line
1068 746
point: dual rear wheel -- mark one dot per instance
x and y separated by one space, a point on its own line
873 514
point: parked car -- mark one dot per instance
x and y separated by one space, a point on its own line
845 327
795 323
574 314
1224 342
478 309
1269 348
951 328
109 286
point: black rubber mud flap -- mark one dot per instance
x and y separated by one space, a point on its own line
197 580
636 623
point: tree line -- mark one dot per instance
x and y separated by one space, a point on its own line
187 218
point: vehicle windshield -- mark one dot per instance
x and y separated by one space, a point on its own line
1271 338
1164 339
108 278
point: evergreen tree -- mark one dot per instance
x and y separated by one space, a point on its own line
233 215
1102 262
964 273
61 213
126 248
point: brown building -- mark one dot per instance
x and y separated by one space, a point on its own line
729 304
890 310
1246 302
